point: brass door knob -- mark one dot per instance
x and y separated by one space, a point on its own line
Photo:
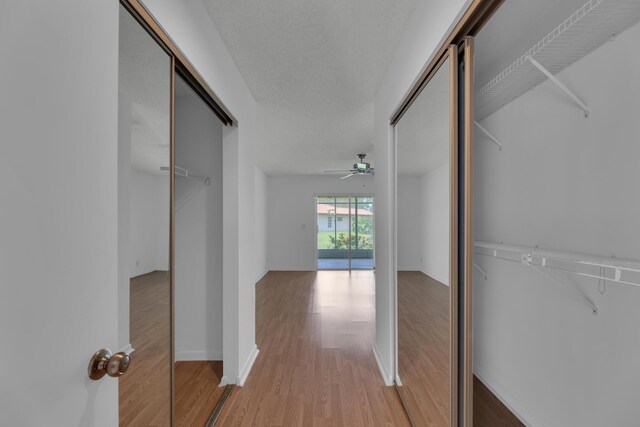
103 362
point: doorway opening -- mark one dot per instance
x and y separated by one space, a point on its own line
345 233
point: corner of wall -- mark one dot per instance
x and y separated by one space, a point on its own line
386 375
248 364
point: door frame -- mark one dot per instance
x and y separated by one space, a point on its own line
315 231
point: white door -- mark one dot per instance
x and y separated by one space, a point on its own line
58 210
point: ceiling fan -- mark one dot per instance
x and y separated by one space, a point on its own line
360 168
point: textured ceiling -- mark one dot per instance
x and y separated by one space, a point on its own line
423 132
314 68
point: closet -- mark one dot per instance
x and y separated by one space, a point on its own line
170 180
557 242
543 330
427 221
198 258
144 209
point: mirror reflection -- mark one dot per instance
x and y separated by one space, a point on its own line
144 141
198 258
423 232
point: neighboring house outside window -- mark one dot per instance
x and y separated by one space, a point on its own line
339 219
329 222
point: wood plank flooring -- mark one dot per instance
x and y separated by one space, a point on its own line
488 411
423 357
315 332
144 391
197 391
423 348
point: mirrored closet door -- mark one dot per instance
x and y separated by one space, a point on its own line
170 231
198 258
426 218
144 194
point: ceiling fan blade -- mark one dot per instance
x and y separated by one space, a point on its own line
347 176
339 170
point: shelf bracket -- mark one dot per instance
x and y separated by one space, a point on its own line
594 308
484 273
558 83
489 135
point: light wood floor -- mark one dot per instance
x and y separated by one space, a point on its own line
315 332
145 389
423 348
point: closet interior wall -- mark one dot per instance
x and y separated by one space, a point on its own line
198 235
567 182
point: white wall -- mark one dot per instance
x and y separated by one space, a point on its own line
435 232
58 221
260 227
428 25
569 183
149 208
423 223
192 30
291 215
410 223
198 222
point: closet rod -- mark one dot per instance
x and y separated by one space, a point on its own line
188 174
537 257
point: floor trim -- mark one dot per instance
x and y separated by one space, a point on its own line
128 349
507 399
386 376
244 373
264 273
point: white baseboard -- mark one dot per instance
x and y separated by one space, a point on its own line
127 349
507 399
183 355
386 375
224 381
244 373
264 273
443 280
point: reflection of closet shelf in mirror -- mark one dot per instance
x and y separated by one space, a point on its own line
188 174
585 30
602 268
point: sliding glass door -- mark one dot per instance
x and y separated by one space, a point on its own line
344 232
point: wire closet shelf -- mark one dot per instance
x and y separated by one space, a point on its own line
596 22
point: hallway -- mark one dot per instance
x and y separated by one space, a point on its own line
315 332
